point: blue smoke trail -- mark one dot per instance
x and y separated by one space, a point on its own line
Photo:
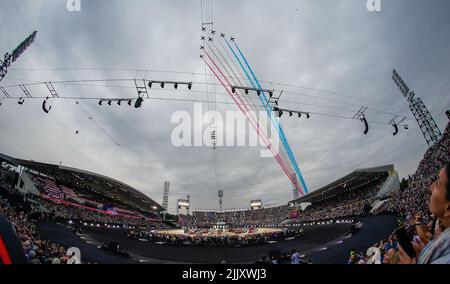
264 101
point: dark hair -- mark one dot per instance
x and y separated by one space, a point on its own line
447 171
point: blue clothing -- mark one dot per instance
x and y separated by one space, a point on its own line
437 251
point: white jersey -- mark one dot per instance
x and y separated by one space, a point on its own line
73 260
295 259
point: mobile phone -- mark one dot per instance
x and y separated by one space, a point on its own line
405 242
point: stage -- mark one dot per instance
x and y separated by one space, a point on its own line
219 233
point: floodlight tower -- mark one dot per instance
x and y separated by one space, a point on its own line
165 202
11 58
220 194
294 187
427 125
189 202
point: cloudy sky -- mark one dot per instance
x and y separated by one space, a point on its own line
329 58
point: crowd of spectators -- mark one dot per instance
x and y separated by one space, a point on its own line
284 257
53 189
347 204
422 209
19 213
239 218
415 197
24 211
204 238
350 204
60 211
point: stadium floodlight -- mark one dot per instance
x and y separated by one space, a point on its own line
395 129
280 112
138 103
366 124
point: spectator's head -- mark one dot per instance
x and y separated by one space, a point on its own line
391 257
440 196
31 254
36 261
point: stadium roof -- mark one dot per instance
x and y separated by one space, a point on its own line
8 159
101 184
345 182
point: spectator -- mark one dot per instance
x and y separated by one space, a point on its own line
436 250
73 259
295 257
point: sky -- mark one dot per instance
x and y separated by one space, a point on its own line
328 57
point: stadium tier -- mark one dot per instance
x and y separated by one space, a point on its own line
73 194
350 196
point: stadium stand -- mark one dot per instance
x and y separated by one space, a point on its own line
59 199
346 197
412 204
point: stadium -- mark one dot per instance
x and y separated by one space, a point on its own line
155 173
112 222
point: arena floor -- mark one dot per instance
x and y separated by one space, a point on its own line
323 243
